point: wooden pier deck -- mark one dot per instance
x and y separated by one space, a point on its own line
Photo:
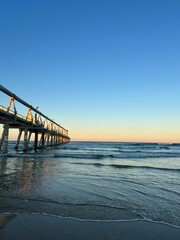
45 130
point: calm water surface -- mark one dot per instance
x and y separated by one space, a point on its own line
94 180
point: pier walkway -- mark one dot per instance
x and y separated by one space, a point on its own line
45 130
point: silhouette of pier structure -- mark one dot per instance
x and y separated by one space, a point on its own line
45 130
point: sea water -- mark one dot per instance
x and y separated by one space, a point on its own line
94 180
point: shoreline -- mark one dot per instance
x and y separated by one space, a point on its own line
6 213
45 227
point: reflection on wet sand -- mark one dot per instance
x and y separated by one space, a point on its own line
18 178
20 174
5 219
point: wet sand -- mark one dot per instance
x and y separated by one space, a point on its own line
40 227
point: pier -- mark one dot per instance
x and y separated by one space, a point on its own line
45 131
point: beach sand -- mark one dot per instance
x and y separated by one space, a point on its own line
40 227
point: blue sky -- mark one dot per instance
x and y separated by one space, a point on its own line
106 70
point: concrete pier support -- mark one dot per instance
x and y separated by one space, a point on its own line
30 133
51 142
48 140
42 140
45 140
4 139
25 147
36 140
18 139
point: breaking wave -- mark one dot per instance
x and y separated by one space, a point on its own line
122 155
127 166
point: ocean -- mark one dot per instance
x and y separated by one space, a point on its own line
110 181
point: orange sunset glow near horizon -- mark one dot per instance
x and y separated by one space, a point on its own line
133 135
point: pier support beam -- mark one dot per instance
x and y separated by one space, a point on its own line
18 139
25 147
36 140
51 143
4 139
42 140
30 133
48 140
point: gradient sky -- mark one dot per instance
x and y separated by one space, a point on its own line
104 69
